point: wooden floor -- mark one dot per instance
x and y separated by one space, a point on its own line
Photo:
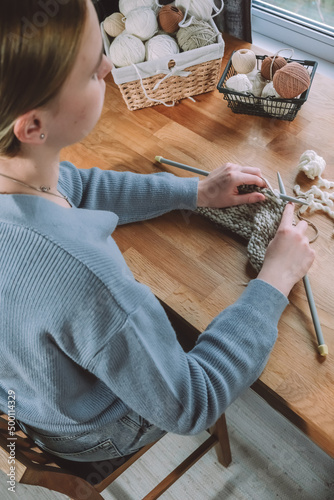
272 460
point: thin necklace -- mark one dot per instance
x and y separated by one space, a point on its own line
42 189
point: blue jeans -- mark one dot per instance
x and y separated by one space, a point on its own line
114 440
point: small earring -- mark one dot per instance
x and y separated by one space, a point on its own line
42 136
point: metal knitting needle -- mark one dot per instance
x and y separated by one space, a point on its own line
160 159
322 347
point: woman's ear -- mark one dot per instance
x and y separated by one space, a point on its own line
28 128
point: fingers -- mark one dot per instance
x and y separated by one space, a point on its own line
246 175
254 197
288 219
288 215
254 176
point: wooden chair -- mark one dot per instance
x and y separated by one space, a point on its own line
81 480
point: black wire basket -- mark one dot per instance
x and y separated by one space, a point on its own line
246 103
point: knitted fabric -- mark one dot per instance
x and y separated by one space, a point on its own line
256 222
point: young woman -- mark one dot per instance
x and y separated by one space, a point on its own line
94 362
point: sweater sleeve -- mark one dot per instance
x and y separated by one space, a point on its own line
132 197
186 392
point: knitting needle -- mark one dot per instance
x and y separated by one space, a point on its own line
160 159
322 347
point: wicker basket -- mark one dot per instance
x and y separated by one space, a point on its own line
170 79
270 107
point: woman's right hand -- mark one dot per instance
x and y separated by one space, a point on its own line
289 255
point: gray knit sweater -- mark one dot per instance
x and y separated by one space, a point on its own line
82 341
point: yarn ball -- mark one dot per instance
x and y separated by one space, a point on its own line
125 6
311 164
291 80
127 49
270 65
114 25
270 105
270 91
239 83
244 61
201 9
169 17
198 34
258 84
142 22
159 46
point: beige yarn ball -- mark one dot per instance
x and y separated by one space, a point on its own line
198 34
244 61
126 49
270 65
114 25
142 22
291 80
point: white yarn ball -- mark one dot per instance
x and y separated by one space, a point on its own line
311 164
269 91
239 83
201 9
159 46
127 49
142 22
244 61
271 106
258 84
125 6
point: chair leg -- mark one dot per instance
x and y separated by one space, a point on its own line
75 487
223 449
181 469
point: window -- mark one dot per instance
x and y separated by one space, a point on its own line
304 24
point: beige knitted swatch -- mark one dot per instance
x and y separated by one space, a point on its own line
256 222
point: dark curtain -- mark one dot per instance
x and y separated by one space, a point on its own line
235 18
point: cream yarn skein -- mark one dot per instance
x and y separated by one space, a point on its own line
125 6
114 25
142 22
159 46
127 49
244 61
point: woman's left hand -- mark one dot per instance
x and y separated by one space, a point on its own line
220 188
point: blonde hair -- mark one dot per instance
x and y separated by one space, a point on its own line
39 42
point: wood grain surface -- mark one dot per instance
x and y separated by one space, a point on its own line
197 269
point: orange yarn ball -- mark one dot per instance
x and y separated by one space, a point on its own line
278 63
291 80
169 17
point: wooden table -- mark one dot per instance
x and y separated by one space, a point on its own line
197 270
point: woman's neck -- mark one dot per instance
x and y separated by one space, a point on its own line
37 172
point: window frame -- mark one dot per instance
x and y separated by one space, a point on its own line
296 31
